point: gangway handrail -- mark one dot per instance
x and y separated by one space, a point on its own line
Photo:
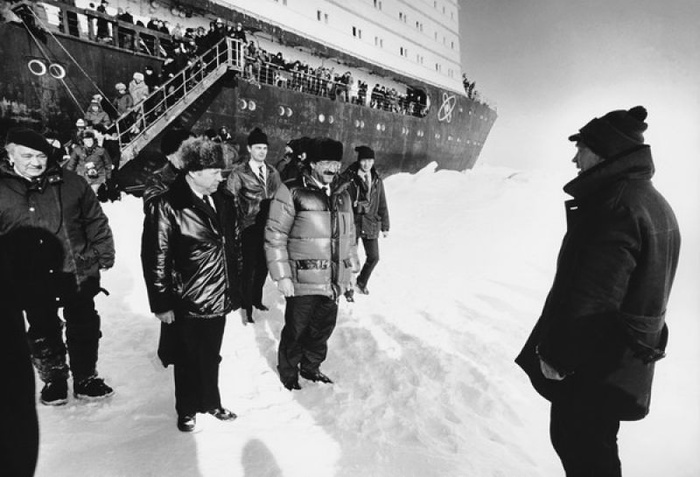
135 123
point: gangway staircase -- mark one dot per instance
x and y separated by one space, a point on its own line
145 121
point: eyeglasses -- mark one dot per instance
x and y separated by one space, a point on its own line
330 165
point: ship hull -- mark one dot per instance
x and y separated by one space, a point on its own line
452 133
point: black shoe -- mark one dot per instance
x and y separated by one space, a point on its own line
350 295
92 389
316 376
261 307
186 422
292 384
55 393
223 414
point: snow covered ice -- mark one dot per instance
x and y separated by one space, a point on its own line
425 380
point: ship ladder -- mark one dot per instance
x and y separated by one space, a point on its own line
136 128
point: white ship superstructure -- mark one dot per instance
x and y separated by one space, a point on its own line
417 38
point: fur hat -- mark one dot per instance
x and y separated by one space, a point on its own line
256 136
172 139
299 146
324 149
138 76
199 153
364 152
28 138
615 133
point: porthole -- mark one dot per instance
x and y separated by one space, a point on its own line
37 67
321 118
57 71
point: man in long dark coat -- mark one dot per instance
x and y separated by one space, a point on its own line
603 326
190 261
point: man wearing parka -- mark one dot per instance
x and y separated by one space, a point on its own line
96 117
189 255
366 189
62 240
253 183
90 161
592 352
311 254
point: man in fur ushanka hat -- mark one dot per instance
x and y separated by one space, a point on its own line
311 254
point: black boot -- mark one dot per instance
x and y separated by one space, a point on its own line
55 393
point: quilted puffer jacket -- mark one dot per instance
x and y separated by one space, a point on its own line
310 238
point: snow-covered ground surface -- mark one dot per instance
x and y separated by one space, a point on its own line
425 380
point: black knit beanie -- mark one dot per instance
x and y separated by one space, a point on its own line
615 133
256 136
364 152
28 138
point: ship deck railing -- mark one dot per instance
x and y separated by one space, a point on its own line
82 23
273 74
162 106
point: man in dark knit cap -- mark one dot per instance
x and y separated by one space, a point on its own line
592 352
311 253
371 212
59 241
253 183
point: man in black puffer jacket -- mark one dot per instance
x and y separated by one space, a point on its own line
593 350
190 259
61 240
311 254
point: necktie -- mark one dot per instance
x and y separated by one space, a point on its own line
368 181
327 190
261 175
209 202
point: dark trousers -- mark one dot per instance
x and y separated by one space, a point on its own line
197 364
254 266
82 337
585 439
308 323
372 252
19 433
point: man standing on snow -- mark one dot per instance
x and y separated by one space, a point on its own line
189 255
62 240
593 350
370 209
253 183
311 253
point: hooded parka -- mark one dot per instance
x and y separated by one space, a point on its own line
603 324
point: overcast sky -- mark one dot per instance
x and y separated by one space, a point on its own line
551 65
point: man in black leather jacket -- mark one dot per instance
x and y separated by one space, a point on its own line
190 261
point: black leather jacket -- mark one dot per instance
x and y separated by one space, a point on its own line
191 256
